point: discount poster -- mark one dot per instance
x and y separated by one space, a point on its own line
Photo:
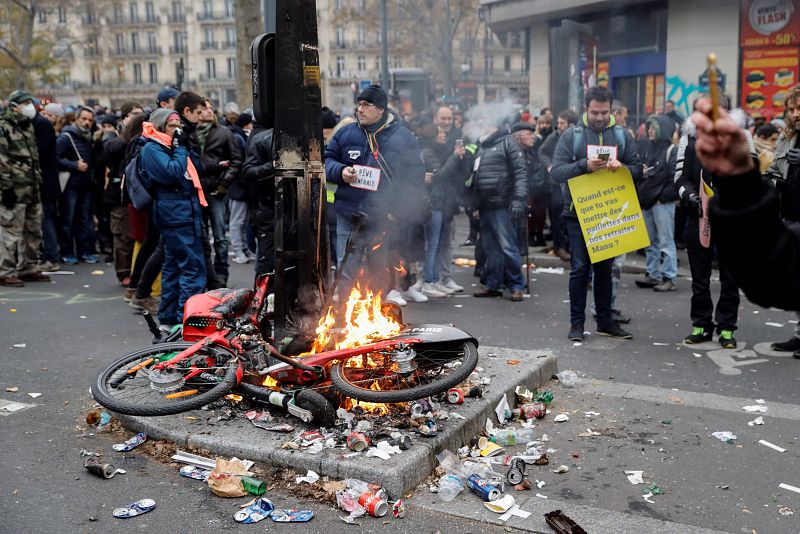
767 76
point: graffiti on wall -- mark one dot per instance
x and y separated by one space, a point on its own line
683 93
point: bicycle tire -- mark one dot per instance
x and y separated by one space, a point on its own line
105 394
308 399
459 374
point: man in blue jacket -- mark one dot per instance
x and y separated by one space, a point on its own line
377 165
571 159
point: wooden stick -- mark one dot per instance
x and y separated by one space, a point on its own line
713 88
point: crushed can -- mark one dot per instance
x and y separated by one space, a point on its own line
356 441
516 472
399 509
401 440
481 487
420 407
533 410
253 486
455 396
374 505
96 467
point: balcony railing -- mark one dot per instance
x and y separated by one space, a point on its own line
177 49
216 78
91 52
136 52
176 18
228 44
209 45
90 20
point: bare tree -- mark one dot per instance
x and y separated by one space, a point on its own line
24 55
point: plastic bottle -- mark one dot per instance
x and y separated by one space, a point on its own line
524 435
568 379
505 436
449 487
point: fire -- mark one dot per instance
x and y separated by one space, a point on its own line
270 383
233 397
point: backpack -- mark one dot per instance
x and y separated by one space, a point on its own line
137 184
577 140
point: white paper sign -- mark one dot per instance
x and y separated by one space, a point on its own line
598 151
367 177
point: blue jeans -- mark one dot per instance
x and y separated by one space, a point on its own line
218 220
444 257
364 242
662 258
433 237
579 279
183 273
556 219
77 223
50 228
499 238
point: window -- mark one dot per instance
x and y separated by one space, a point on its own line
339 66
137 73
362 63
337 4
177 41
62 15
506 63
133 11
177 11
490 63
118 16
120 73
95 75
361 35
231 67
208 8
135 42
152 70
42 16
120 41
151 42
230 37
211 68
340 37
230 9
150 11
208 36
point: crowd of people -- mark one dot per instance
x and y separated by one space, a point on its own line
395 185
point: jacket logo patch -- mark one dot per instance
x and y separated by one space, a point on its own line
354 154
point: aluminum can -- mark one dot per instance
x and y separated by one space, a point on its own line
481 487
356 441
455 396
374 505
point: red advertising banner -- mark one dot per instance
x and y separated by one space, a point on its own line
602 73
770 23
767 76
649 94
660 87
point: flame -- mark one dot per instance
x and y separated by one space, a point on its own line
270 383
401 269
233 397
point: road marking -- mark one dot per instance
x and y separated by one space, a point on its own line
685 398
81 298
36 295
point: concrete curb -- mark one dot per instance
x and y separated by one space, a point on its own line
399 475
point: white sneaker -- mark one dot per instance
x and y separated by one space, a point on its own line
239 257
395 296
451 284
250 254
414 294
430 290
443 288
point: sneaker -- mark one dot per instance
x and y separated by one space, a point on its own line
516 296
666 285
395 296
468 243
648 282
793 345
250 254
129 294
48 266
619 317
147 303
430 290
240 258
614 330
455 288
563 254
11 281
90 258
70 260
484 293
415 295
698 335
576 332
443 288
726 339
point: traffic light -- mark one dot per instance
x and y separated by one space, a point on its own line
262 53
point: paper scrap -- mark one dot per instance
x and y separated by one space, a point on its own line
501 505
561 469
515 511
647 498
697 355
380 453
20 345
771 445
97 272
757 421
634 477
311 477
591 414
589 433
539 484
561 418
725 436
12 389
541 496
501 409
788 487
34 395
755 408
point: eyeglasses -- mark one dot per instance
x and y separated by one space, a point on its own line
365 105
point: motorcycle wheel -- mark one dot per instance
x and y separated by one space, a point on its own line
439 367
129 392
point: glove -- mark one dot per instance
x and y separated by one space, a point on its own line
9 198
793 156
517 210
694 203
179 138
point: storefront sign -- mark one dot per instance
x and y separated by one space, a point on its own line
767 76
770 23
649 94
602 74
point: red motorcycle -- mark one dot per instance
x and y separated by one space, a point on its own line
225 347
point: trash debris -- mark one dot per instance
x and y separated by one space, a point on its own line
789 487
776 325
502 505
655 490
771 445
523 395
96 467
20 345
568 379
514 511
310 478
725 436
561 469
501 409
523 486
757 421
666 421
785 510
591 414
131 444
12 389
561 523
541 496
724 487
34 395
98 417
648 497
356 441
139 507
516 471
513 362
292 516
229 478
589 433
196 473
755 408
194 459
84 452
399 509
449 487
260 509
374 505
634 477
482 488
561 418
97 272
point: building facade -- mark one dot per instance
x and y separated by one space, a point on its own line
110 52
648 52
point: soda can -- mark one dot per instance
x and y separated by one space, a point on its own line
403 441
533 410
312 436
374 505
96 467
253 486
399 509
420 407
516 472
481 487
356 441
455 396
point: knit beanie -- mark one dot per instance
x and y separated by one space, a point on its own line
374 94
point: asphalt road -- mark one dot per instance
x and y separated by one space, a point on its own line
75 324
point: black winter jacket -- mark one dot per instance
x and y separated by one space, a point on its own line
501 175
221 145
114 148
68 160
448 181
46 144
258 170
658 184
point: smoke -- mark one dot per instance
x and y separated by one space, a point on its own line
479 119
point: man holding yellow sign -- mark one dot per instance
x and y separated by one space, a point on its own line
598 161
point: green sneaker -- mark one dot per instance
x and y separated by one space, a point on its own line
726 339
698 335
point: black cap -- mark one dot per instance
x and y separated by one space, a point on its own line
329 118
374 94
523 126
107 119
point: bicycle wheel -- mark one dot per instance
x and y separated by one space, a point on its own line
380 377
130 386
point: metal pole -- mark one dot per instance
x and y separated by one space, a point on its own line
385 47
268 6
485 60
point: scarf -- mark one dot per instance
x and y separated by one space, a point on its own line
85 134
202 133
149 131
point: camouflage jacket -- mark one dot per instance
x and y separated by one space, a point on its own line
19 156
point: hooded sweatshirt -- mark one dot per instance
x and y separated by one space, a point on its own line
658 185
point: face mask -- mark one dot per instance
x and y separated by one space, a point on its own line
545 131
29 110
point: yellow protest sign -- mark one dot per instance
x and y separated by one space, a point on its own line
609 213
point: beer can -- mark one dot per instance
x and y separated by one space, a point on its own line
481 487
403 441
516 471
420 407
356 441
253 486
96 467
374 505
455 396
399 509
